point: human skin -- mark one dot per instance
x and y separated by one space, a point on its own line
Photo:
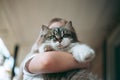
53 61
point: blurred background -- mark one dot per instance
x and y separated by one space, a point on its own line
97 23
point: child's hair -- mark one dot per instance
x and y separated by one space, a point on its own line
57 20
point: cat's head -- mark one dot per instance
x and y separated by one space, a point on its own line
60 37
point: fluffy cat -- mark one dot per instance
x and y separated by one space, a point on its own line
63 39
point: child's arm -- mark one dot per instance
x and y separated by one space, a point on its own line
54 61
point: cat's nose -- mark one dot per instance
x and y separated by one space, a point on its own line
59 40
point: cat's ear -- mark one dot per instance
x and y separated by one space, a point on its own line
44 28
69 26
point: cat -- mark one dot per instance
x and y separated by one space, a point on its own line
64 39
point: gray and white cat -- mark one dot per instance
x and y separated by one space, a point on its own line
64 39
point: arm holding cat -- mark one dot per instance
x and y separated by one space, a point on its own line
53 61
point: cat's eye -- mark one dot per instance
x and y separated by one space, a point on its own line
67 35
51 37
54 38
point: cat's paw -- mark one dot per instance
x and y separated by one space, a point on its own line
48 48
83 53
45 48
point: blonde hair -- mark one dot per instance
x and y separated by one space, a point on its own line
57 20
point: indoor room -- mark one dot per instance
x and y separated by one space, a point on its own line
96 23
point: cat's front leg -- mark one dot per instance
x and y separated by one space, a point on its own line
83 53
48 48
45 48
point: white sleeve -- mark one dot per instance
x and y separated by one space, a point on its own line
25 71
